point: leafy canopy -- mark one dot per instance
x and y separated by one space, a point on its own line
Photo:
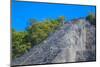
35 33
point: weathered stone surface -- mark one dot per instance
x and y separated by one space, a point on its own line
73 42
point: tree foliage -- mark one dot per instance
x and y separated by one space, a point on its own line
40 31
35 33
91 18
19 44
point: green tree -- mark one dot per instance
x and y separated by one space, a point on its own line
61 19
34 34
91 18
19 44
41 30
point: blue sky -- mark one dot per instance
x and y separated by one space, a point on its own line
23 11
